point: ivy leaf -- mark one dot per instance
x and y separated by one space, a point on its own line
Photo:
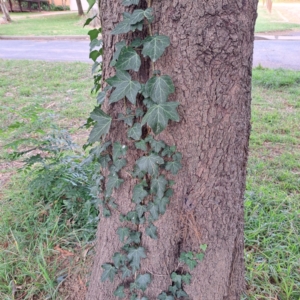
141 145
91 4
173 166
140 209
139 112
124 87
123 232
134 237
103 160
138 15
164 296
137 172
94 55
136 43
173 289
139 193
95 67
181 293
106 212
150 163
122 27
118 165
127 119
125 272
151 231
113 182
203 247
89 20
200 256
109 272
135 132
119 292
186 278
153 209
99 149
93 34
159 88
101 97
119 259
128 60
168 151
176 278
157 145
135 255
158 185
119 150
143 281
103 122
130 2
162 204
118 47
158 116
188 259
154 46
133 217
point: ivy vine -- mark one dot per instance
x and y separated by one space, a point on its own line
147 107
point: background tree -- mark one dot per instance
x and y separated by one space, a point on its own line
210 61
79 6
5 12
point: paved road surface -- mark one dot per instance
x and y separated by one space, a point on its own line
271 54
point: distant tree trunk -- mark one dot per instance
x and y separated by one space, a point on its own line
79 6
210 61
4 9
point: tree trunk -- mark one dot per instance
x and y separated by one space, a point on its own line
79 6
210 62
4 9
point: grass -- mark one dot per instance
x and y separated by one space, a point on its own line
34 234
271 22
66 24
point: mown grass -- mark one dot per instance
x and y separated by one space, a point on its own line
30 229
271 22
66 24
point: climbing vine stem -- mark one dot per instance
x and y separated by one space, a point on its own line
146 113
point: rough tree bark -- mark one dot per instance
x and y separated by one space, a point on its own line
210 62
5 12
79 7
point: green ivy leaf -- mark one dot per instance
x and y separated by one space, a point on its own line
151 231
158 116
176 278
154 46
118 165
113 182
173 166
159 88
137 172
123 232
139 112
138 15
136 43
140 209
103 122
119 259
125 272
130 2
118 47
119 292
91 4
168 151
93 34
106 212
186 278
134 237
142 281
142 145
101 97
103 161
150 163
124 87
158 186
156 145
203 247
162 204
122 27
153 209
173 289
94 55
139 193
109 272
135 255
200 256
127 119
89 20
135 132
164 296
182 293
119 150
188 259
128 60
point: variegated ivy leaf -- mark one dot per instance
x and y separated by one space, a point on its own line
103 122
118 47
151 231
135 132
158 116
138 15
150 163
159 88
109 272
130 2
158 185
128 60
142 281
125 86
154 46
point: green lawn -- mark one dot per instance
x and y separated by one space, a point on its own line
66 24
271 22
31 227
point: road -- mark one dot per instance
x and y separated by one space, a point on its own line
271 54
